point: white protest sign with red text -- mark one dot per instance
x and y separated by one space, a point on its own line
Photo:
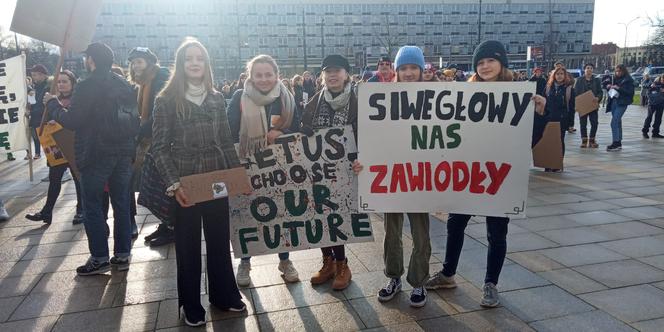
445 147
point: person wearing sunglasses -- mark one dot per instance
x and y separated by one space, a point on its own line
385 71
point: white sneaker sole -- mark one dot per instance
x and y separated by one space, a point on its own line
418 305
489 305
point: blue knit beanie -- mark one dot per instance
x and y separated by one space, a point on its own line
409 55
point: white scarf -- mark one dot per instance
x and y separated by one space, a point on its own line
253 123
339 101
196 93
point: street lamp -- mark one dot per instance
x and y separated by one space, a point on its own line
625 42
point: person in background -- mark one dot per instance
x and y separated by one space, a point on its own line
150 77
490 61
287 83
309 84
4 215
66 81
654 109
239 84
588 82
646 81
41 85
385 72
409 65
191 135
429 73
264 110
623 96
104 153
334 106
560 99
298 91
607 78
448 75
539 79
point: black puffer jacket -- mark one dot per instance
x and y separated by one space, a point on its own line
157 84
92 99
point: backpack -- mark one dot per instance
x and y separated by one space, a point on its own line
120 120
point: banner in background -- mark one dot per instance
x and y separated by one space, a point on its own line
13 94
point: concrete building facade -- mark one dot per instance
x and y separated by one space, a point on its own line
299 33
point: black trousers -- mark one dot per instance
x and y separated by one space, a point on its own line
593 116
496 229
223 291
55 174
657 112
571 114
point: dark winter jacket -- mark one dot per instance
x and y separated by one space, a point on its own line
299 96
37 110
582 85
625 88
541 84
157 84
92 99
557 103
235 115
312 108
309 87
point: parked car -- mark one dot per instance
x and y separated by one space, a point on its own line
576 73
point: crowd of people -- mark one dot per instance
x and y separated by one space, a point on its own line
143 133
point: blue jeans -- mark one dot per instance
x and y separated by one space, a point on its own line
617 112
282 257
116 171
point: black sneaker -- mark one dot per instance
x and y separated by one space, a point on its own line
390 290
39 217
645 135
120 263
78 219
615 146
92 268
192 319
418 297
160 230
657 136
164 239
237 307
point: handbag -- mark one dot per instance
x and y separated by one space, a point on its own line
152 192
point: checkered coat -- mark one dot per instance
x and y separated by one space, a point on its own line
198 144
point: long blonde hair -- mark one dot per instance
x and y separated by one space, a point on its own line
262 58
176 87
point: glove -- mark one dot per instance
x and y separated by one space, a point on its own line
307 131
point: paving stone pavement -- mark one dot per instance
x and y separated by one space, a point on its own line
589 257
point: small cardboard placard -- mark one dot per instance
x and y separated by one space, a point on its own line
64 138
548 152
214 185
586 103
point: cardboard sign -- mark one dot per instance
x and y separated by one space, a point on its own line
304 196
13 101
548 152
64 138
69 24
453 147
586 103
213 185
54 155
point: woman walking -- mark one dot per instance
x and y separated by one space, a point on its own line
190 136
66 81
490 60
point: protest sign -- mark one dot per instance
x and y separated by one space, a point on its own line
548 152
586 103
445 147
213 185
54 155
304 196
69 24
65 141
13 100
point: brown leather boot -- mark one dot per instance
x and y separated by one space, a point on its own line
584 142
592 143
325 273
342 277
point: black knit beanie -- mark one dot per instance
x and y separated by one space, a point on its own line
490 49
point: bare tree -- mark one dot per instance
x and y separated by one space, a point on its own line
655 45
388 37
